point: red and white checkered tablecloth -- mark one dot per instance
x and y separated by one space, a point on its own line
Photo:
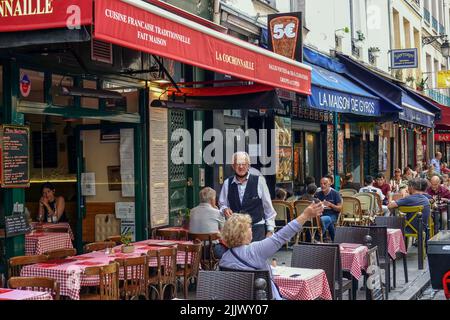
46 225
41 242
354 258
311 284
68 272
396 242
13 294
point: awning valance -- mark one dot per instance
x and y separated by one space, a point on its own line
142 26
414 112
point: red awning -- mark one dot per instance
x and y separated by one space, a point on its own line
444 121
145 27
21 15
220 91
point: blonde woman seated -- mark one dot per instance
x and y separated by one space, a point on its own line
243 254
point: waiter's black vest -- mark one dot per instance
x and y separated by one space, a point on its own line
251 203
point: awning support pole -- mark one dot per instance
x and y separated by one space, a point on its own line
337 180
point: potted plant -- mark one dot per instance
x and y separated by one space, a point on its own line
420 86
360 36
126 239
186 218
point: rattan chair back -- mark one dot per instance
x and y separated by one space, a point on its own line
225 285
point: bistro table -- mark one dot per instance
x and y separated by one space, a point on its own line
59 225
39 242
69 272
396 242
13 294
354 258
301 283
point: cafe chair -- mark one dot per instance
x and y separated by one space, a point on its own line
164 274
354 234
313 226
189 270
326 257
56 230
347 192
351 211
225 285
41 284
15 264
116 239
61 253
98 246
135 277
413 216
108 288
285 213
395 223
367 201
257 274
171 234
208 260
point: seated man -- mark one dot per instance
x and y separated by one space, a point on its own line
385 187
416 198
311 190
368 182
332 201
441 194
206 218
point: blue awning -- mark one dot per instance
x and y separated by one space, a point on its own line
414 112
335 93
413 108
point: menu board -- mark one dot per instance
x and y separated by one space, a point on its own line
16 224
15 156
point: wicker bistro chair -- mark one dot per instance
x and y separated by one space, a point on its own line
135 277
171 234
61 253
56 230
108 282
378 204
367 201
313 226
189 270
325 257
395 223
379 239
15 264
225 285
97 246
258 274
351 235
347 192
165 272
116 239
351 211
208 261
43 284
285 213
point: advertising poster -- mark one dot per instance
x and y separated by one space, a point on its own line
283 149
330 146
341 151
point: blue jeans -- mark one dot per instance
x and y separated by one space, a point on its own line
328 222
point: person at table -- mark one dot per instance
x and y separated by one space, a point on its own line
436 162
349 184
369 187
247 255
206 218
416 198
380 183
245 192
445 180
51 207
311 190
398 185
444 169
332 201
408 174
437 190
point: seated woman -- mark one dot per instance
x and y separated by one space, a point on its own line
51 207
243 254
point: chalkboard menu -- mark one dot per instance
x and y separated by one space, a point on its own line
374 280
16 224
15 156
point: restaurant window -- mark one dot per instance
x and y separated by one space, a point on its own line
130 101
233 113
91 103
58 81
34 92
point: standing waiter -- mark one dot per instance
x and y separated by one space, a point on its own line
248 193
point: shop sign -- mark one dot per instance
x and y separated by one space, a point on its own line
21 15
144 27
443 79
285 34
25 86
413 116
336 101
442 137
404 58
